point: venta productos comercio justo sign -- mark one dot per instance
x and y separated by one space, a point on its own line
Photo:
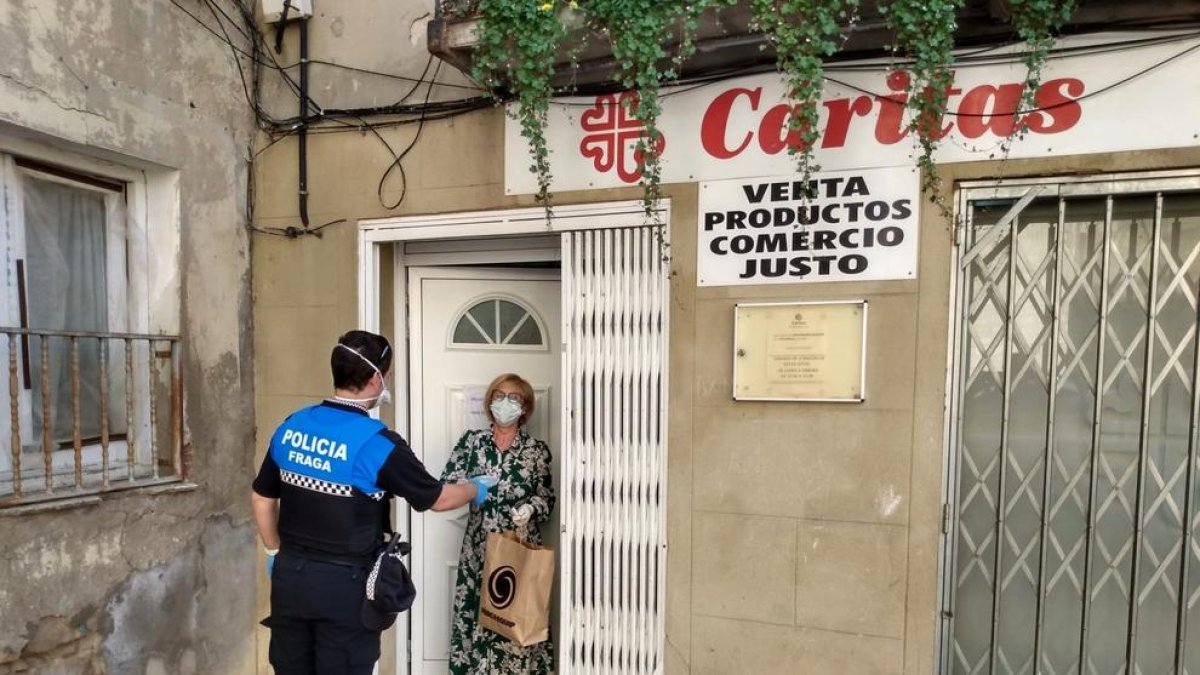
838 226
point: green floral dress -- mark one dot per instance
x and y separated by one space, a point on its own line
524 472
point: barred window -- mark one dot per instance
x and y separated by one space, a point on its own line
91 401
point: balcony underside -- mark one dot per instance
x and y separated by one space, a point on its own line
725 44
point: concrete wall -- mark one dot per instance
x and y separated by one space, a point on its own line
145 582
803 537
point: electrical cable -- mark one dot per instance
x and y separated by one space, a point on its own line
292 232
1088 95
321 121
393 76
261 115
398 160
237 62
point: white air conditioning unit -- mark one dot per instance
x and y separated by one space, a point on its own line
273 9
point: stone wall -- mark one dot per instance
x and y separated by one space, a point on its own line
145 581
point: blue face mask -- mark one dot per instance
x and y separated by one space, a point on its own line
505 411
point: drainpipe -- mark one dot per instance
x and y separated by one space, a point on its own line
303 136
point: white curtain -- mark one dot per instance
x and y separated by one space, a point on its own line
66 274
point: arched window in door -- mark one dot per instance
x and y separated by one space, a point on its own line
498 323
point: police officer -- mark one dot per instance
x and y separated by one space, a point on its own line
321 502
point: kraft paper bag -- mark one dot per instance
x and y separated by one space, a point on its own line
517 581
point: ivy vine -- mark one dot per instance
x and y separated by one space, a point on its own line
521 41
639 32
1036 23
925 34
518 45
803 33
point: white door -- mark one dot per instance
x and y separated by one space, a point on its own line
469 325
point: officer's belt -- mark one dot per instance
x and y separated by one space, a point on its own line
326 557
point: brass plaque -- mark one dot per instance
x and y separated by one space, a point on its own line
804 351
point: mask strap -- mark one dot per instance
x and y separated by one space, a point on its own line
365 359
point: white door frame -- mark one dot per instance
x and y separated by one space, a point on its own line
373 234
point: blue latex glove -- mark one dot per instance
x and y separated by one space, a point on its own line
269 565
482 485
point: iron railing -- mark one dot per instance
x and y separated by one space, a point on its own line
89 412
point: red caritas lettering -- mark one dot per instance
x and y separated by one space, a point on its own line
729 125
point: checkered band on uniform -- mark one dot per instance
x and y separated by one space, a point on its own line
323 486
372 577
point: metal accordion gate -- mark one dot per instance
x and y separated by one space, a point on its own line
1071 543
613 499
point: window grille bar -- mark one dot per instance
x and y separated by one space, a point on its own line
1097 416
589 464
658 415
76 431
130 453
83 457
611 591
570 379
611 455
1004 226
588 469
177 463
1189 507
14 412
625 353
104 413
645 278
1001 506
152 387
47 418
1143 443
962 327
1048 460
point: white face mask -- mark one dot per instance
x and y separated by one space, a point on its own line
385 396
505 411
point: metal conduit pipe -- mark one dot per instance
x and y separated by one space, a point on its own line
303 132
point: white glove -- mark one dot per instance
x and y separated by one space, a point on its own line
522 514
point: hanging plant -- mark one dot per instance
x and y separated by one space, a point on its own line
517 50
639 32
520 42
925 34
803 33
1037 23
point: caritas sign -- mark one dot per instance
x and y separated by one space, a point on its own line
1140 95
839 226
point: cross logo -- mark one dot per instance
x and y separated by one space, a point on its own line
613 134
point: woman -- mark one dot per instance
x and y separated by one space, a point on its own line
521 501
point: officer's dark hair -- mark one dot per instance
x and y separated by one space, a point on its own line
350 371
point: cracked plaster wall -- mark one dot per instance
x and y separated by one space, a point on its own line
145 583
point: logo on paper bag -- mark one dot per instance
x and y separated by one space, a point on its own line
502 587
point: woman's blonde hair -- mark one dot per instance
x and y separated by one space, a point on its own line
526 394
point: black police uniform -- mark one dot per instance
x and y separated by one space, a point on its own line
334 470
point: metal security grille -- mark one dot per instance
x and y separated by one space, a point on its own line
1071 498
613 500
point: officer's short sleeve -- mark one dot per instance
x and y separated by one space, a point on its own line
403 475
268 481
